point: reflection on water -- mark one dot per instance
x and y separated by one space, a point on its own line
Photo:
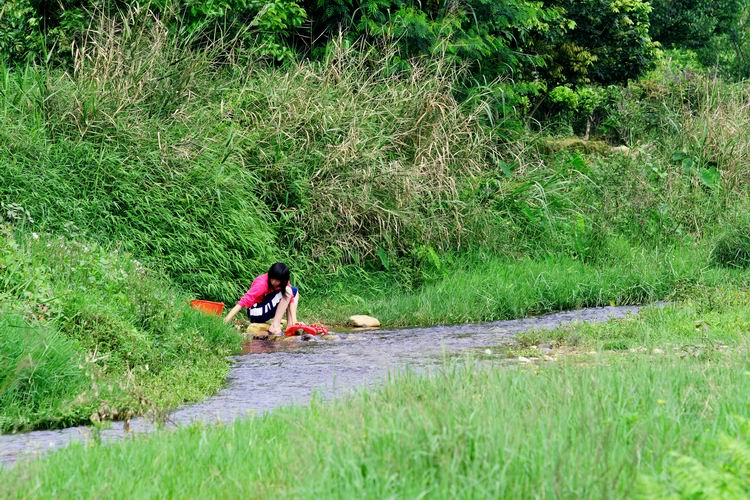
271 373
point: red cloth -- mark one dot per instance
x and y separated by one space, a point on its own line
258 291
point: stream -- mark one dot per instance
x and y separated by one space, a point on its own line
272 374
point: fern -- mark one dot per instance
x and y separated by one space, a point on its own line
727 475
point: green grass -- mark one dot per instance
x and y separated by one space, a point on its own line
40 375
496 288
708 319
568 430
87 334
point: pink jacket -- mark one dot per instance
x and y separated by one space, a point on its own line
259 290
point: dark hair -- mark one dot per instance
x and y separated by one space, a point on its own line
280 272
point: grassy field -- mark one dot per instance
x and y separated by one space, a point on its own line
92 335
596 424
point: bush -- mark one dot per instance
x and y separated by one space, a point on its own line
20 38
88 333
41 373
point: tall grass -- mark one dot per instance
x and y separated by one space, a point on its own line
496 288
133 147
209 163
212 165
363 159
691 133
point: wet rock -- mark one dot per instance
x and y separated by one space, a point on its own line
523 359
361 320
257 329
307 337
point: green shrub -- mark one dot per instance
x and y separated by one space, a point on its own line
20 38
91 333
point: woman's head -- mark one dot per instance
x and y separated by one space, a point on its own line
278 277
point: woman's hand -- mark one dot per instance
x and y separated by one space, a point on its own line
232 313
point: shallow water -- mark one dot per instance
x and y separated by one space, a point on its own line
271 374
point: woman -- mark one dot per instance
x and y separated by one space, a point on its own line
270 296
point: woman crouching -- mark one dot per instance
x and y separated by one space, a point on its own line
270 296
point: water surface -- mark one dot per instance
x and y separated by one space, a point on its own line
272 374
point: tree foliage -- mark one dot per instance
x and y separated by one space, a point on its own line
693 23
492 36
20 35
718 31
530 55
598 40
609 41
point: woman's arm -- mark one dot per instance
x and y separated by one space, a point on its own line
232 313
256 291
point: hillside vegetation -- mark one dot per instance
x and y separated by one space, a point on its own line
467 162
